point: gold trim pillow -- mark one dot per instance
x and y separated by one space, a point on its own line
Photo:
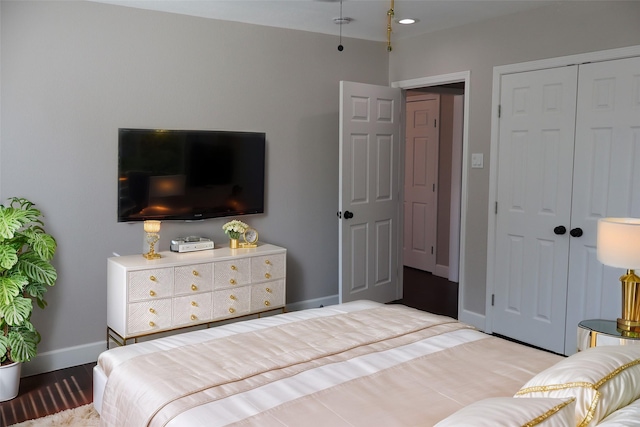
510 412
601 379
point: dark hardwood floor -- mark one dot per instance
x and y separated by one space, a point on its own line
52 392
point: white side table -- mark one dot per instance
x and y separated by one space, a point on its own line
595 332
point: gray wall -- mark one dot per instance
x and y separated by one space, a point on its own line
568 28
74 72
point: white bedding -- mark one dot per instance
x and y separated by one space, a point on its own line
420 375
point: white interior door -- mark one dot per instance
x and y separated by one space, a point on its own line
369 190
535 160
606 183
420 186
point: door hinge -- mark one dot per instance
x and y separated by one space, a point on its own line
493 300
434 187
435 123
496 208
431 250
499 111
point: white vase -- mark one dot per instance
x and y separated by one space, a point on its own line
9 381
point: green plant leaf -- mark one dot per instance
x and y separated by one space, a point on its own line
11 220
23 344
10 288
4 347
42 243
8 256
17 311
36 268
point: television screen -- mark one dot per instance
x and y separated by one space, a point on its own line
189 174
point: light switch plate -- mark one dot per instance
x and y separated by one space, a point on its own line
477 160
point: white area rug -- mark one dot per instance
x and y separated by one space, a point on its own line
83 416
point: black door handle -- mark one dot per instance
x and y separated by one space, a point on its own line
348 215
576 232
560 230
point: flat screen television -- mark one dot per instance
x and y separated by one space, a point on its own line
189 174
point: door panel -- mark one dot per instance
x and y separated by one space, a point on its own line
606 183
534 161
420 183
369 165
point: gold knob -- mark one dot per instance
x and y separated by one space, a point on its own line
195 273
232 310
233 267
194 287
153 278
267 303
233 297
232 281
193 317
268 290
151 310
193 303
267 276
152 324
267 262
152 293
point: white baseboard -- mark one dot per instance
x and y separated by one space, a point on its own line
313 303
87 353
64 358
442 271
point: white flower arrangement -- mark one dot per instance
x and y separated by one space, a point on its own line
235 228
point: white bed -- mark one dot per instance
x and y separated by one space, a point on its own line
356 364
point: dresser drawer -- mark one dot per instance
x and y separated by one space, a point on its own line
267 267
267 295
231 302
149 284
193 278
149 316
232 273
192 309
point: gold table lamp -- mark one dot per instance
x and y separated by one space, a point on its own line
152 228
618 245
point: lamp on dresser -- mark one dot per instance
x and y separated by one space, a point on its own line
618 245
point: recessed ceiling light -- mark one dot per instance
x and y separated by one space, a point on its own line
407 21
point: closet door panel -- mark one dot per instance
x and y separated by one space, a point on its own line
535 160
606 183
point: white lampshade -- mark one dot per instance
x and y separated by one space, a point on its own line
151 226
619 242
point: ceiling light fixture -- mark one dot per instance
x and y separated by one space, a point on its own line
407 21
341 21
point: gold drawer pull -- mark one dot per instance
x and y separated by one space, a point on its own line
267 303
152 324
268 290
232 310
194 287
153 278
194 304
266 261
194 317
152 293
233 297
195 273
151 310
234 268
267 276
232 281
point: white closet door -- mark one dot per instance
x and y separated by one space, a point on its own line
534 198
606 183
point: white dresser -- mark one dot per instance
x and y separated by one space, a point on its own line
182 290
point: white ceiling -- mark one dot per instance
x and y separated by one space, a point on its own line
369 16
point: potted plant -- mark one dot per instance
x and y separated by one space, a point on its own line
234 230
26 271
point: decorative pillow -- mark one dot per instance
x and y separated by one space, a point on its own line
509 412
601 379
628 416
